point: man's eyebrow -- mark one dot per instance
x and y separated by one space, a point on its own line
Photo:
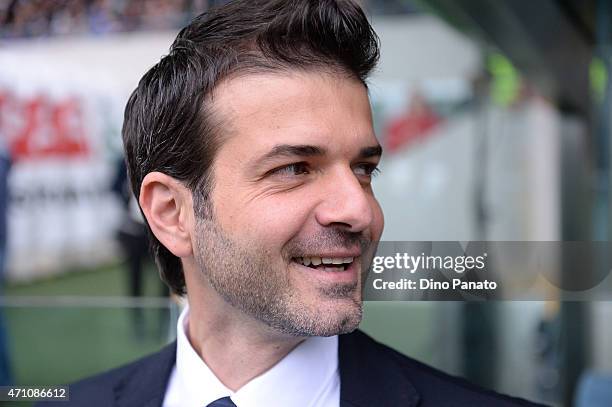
373 151
305 150
290 150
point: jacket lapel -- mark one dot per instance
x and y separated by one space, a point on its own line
370 375
145 385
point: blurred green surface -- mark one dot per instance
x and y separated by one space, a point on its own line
105 281
60 344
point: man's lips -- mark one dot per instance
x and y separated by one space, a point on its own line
331 254
333 269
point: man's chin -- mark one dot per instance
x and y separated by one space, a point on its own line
343 306
326 317
339 316
342 326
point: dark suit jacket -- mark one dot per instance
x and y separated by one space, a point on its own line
371 375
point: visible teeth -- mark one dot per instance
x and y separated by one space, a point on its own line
338 260
315 261
332 269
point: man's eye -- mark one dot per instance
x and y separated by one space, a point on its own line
367 169
292 169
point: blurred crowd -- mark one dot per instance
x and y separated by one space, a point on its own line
42 18
39 18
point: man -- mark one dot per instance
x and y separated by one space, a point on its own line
251 150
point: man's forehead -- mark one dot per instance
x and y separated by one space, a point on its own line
315 109
274 93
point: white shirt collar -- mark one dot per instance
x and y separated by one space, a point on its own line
307 376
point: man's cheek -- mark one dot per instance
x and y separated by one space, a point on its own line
286 214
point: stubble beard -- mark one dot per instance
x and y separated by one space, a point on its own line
244 278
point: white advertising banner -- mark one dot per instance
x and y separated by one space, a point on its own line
61 109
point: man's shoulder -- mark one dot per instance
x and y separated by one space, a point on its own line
104 388
387 368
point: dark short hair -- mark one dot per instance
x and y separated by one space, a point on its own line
169 126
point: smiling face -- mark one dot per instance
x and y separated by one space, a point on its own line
292 193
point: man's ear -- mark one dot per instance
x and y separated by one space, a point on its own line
167 205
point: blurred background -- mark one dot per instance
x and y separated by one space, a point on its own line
495 119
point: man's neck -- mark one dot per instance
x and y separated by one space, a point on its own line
235 347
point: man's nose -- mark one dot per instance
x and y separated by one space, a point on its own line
345 201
